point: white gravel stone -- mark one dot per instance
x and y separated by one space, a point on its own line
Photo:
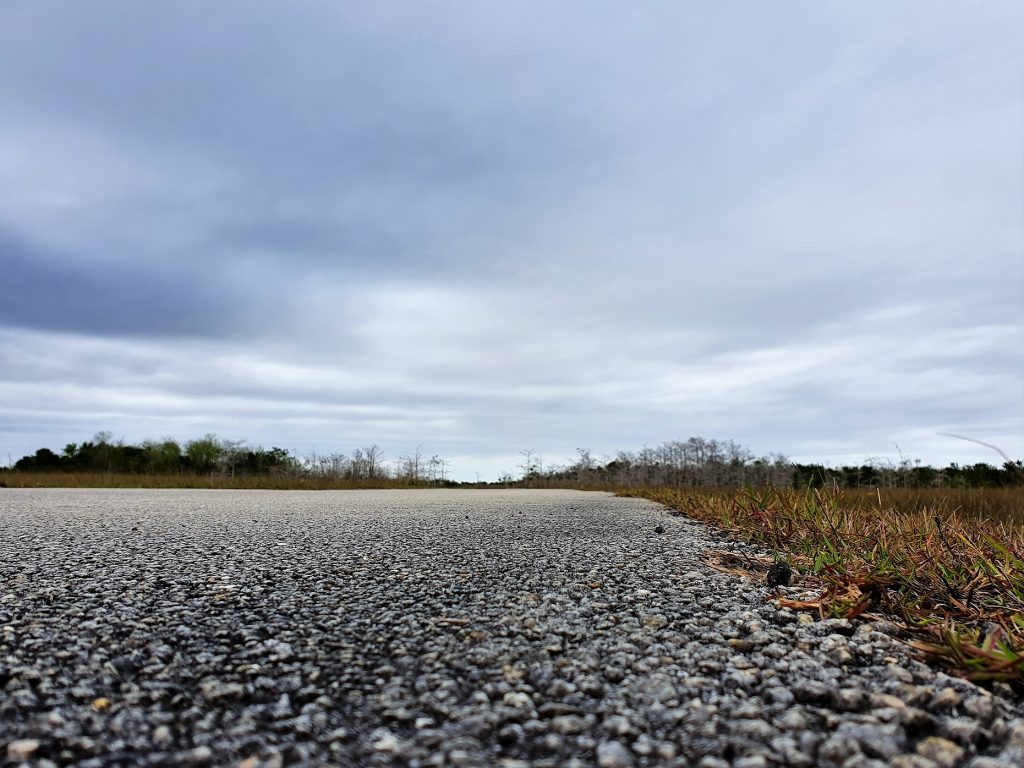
22 749
613 754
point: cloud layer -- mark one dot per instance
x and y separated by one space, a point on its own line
488 229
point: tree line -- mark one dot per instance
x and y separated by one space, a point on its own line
211 455
696 462
903 475
702 463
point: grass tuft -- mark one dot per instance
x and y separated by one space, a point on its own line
952 576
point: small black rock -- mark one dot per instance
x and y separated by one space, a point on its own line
659 529
779 575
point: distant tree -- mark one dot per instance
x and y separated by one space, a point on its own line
530 466
102 440
163 457
44 460
436 469
410 465
203 454
374 456
584 466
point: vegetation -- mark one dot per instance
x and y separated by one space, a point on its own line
953 578
210 462
693 463
702 463
278 482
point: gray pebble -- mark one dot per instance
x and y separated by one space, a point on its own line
613 754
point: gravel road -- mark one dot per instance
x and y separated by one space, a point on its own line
416 628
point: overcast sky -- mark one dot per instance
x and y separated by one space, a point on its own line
490 227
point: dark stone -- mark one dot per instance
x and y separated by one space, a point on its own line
511 734
779 575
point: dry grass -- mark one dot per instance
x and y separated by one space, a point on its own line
258 482
1004 505
949 568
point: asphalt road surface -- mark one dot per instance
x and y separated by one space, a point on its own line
422 628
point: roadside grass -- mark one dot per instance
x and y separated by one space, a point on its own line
991 504
946 566
14 479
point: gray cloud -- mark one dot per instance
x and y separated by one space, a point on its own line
514 226
68 295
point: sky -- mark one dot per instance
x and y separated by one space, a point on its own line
490 227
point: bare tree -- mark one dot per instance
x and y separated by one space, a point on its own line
417 457
410 465
584 465
437 469
529 465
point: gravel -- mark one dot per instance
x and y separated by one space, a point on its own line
427 628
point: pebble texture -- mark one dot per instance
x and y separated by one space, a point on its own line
416 628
